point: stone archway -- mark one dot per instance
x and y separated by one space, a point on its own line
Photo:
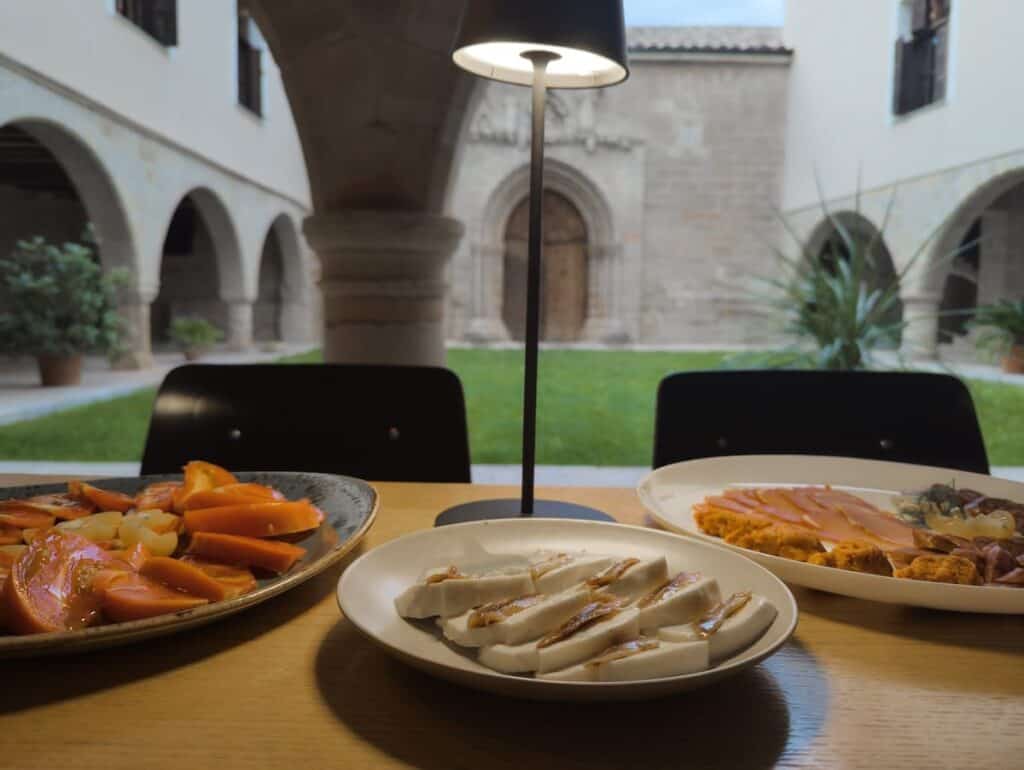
201 270
281 311
604 252
563 306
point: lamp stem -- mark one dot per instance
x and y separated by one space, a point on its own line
540 61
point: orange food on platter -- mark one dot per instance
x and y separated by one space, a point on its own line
200 476
25 518
942 568
125 595
10 535
855 556
783 540
256 519
58 506
235 580
102 499
50 585
232 494
157 497
182 576
270 555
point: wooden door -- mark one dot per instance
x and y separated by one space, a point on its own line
563 307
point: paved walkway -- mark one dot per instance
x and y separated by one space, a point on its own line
22 398
547 475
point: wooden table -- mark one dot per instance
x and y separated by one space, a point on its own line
291 684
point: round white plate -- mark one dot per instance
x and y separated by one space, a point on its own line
367 591
669 493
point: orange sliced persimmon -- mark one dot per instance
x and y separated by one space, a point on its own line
49 588
182 576
232 494
103 499
59 506
26 518
200 476
236 580
158 496
255 519
10 535
270 555
125 595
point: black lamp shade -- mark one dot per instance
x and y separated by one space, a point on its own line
588 35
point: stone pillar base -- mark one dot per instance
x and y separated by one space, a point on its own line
921 333
610 331
240 326
136 352
486 330
383 284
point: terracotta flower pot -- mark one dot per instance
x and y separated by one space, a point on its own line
55 371
1013 361
194 354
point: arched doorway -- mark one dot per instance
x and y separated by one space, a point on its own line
564 280
832 244
190 267
266 322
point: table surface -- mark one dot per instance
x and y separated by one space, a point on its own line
291 683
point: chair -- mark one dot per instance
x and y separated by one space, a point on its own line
384 423
921 418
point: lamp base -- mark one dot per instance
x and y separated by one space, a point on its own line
485 510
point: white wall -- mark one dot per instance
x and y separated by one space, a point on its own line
187 94
840 96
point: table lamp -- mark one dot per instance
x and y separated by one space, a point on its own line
543 44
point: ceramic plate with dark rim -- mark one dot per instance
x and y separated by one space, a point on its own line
367 591
670 493
349 507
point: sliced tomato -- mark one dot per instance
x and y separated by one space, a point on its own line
102 499
125 595
271 555
199 477
256 519
236 580
158 496
50 585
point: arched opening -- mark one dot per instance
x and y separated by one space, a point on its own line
980 258
832 243
564 280
198 261
270 295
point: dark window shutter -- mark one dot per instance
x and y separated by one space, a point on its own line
163 21
919 16
897 86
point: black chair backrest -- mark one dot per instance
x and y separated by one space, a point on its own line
383 423
921 418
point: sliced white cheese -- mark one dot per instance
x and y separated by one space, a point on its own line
737 632
638 580
578 568
602 634
667 659
533 622
681 605
453 596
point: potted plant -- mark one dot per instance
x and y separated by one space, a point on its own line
195 336
56 304
1004 325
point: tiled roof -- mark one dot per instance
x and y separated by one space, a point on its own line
766 40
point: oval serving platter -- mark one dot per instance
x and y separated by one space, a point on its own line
670 492
349 506
367 591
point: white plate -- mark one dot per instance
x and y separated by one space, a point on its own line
367 590
669 493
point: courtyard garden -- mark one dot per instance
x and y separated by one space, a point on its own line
595 408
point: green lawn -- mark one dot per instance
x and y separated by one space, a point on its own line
595 408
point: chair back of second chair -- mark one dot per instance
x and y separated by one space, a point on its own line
384 423
913 417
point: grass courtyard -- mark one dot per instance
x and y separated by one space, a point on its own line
595 408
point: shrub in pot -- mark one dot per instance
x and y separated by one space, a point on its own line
195 336
1003 323
56 304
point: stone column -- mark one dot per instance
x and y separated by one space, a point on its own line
487 324
240 325
604 320
382 280
921 334
136 349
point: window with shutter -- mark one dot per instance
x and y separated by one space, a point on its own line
157 18
249 67
921 58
